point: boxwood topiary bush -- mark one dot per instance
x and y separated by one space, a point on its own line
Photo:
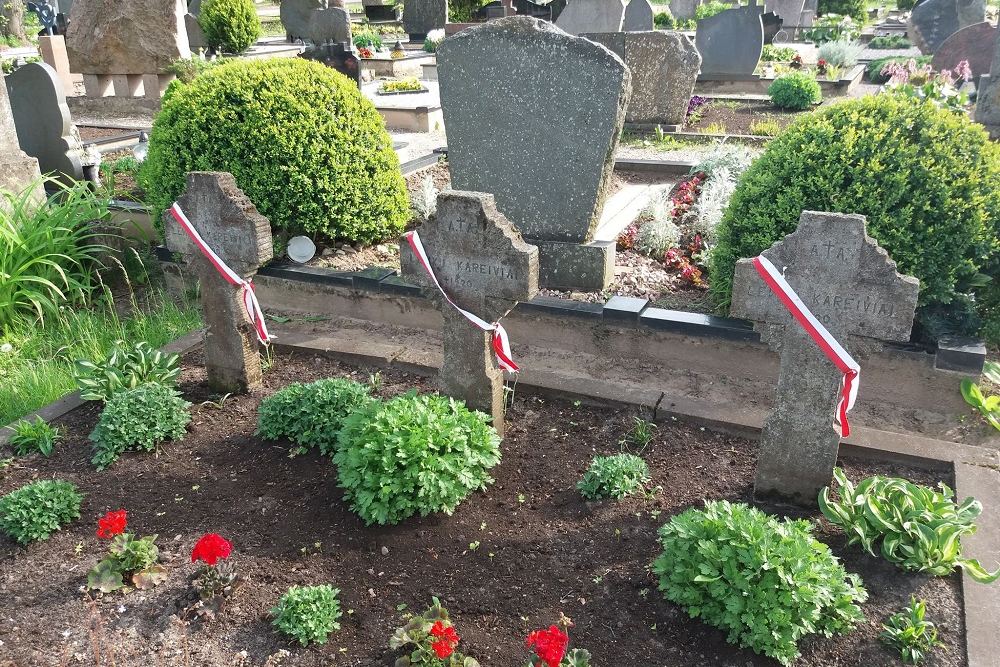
795 90
413 454
230 25
927 179
301 140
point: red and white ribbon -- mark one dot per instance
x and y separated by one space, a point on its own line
249 298
826 342
501 345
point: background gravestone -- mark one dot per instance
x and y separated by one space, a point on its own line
790 11
683 10
17 170
485 267
730 43
330 25
851 285
134 37
534 117
230 224
931 22
638 16
987 109
592 16
422 16
45 129
974 44
771 23
295 16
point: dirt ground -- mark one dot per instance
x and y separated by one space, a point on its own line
732 117
542 549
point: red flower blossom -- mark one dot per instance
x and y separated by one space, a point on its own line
549 645
447 639
111 524
210 548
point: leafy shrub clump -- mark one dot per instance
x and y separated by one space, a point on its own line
853 8
615 476
710 9
795 90
308 614
37 510
311 415
139 418
230 25
908 632
927 179
841 52
889 42
664 20
769 583
413 454
659 233
29 437
874 69
777 54
301 140
125 368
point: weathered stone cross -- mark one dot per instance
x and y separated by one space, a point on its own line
485 267
851 285
230 224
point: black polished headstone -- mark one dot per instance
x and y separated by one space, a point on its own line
339 56
772 24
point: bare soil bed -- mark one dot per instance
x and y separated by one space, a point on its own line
730 117
542 549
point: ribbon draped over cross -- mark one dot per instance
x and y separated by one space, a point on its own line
823 338
250 303
500 342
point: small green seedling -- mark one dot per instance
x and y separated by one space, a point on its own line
907 632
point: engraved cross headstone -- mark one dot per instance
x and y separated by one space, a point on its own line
485 267
230 224
851 285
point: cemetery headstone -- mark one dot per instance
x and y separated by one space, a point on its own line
638 16
987 109
196 36
17 170
973 44
330 25
422 16
582 16
52 44
45 128
851 285
485 267
541 136
521 7
557 7
231 226
931 22
771 23
295 16
730 43
338 55
790 11
684 10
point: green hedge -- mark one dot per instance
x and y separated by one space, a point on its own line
230 25
927 179
301 140
795 90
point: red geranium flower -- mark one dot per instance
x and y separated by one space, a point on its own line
549 645
210 548
447 639
111 524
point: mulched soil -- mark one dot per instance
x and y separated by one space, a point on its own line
543 550
90 133
739 117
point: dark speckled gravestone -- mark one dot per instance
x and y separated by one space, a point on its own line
638 16
931 22
851 285
422 16
973 44
730 43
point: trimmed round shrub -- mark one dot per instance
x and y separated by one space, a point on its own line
301 140
310 415
616 476
927 179
139 418
230 25
37 510
796 90
413 454
768 583
308 614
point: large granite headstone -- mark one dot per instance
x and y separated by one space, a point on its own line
664 66
974 44
730 43
196 36
17 170
485 267
330 25
987 111
851 285
790 11
230 224
45 128
582 16
134 37
422 16
931 22
638 16
295 16
534 116
338 55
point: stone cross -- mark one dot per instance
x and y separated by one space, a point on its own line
851 285
485 267
230 224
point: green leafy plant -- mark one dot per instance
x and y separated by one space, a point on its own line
36 510
988 406
125 368
777 54
368 38
139 418
130 559
833 26
765 128
433 638
230 25
664 20
187 69
311 415
841 52
874 69
413 454
795 90
909 633
920 528
308 614
48 253
322 166
29 437
768 583
616 476
433 40
880 42
710 9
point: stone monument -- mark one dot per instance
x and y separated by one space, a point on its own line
638 16
51 44
534 117
330 25
987 109
230 224
730 43
295 16
931 22
485 267
973 44
422 16
851 285
582 16
790 11
17 170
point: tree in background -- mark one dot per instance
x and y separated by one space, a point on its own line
12 21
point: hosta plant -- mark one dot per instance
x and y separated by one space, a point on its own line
29 437
909 633
920 527
308 614
125 368
139 418
768 583
130 560
430 639
36 510
988 405
615 476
